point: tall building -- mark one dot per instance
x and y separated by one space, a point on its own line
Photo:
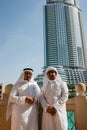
1 85
64 40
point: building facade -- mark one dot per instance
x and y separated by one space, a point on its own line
64 40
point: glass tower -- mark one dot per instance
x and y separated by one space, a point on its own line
64 40
64 37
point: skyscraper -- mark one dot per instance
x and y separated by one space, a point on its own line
64 40
64 37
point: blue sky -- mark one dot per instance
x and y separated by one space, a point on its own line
21 37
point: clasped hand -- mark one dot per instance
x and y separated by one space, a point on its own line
51 110
31 100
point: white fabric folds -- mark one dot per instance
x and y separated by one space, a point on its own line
23 115
54 93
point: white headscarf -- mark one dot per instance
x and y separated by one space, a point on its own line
21 78
46 80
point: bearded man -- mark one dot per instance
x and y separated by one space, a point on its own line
23 101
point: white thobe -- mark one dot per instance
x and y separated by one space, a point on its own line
56 95
24 115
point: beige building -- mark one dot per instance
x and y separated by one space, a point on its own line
4 124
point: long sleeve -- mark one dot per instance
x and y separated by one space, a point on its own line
15 97
43 101
64 96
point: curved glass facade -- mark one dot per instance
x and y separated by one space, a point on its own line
64 40
63 36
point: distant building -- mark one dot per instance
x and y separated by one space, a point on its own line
1 90
64 40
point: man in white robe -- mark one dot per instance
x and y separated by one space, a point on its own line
53 100
23 102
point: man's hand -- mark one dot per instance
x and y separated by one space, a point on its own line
29 100
35 100
51 110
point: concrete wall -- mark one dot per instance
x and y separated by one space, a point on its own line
79 106
4 124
